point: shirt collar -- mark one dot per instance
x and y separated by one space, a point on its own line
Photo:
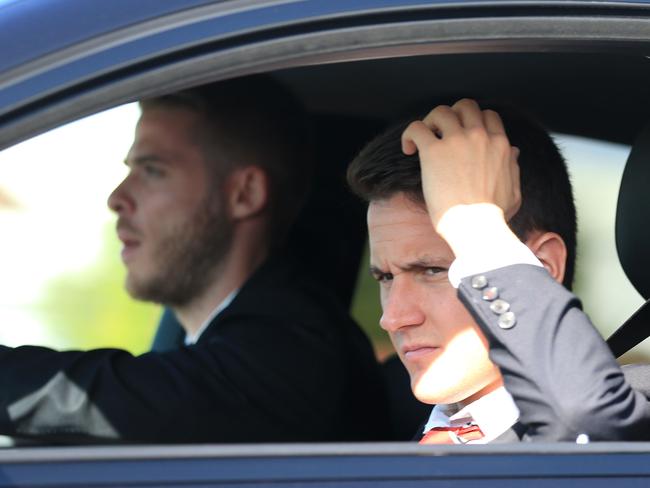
494 413
193 339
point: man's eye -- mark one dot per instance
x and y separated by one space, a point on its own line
153 170
434 271
384 277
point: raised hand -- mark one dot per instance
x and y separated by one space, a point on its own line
465 159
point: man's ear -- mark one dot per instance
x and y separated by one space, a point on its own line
550 249
248 192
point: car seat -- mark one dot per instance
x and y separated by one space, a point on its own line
633 247
633 240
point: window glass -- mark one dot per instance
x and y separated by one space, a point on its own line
61 281
608 297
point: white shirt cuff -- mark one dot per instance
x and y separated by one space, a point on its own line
483 242
462 268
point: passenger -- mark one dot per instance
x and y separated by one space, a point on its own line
216 177
418 265
559 370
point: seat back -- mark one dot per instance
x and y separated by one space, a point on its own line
633 240
633 215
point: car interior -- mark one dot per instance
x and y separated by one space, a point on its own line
631 243
350 102
568 92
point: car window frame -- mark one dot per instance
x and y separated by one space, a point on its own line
72 95
270 49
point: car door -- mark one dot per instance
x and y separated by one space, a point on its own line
356 65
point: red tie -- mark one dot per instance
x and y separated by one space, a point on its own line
443 435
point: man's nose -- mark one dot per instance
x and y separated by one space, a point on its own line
120 200
401 307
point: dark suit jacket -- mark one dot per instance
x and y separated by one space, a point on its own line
283 362
559 370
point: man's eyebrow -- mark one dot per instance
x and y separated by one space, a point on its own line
375 271
421 263
427 262
142 159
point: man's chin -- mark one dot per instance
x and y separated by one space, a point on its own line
137 288
423 391
433 392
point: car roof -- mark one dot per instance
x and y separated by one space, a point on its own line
63 23
598 95
83 47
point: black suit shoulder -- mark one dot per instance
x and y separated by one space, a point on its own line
317 359
277 365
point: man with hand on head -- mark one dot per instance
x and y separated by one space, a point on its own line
435 335
216 177
559 370
458 232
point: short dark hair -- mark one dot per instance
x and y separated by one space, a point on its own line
382 170
253 121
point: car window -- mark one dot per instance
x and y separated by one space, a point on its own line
61 280
596 168
60 255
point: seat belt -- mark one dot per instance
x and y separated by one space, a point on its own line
633 331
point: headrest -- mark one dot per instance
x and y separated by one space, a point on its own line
633 215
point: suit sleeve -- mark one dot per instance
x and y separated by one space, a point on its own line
255 380
562 375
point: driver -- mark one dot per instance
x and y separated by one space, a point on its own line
216 177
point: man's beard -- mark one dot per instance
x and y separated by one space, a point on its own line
189 258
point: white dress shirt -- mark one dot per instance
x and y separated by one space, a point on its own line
192 339
494 413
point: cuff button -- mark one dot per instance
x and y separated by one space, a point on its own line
490 294
479 282
507 320
499 306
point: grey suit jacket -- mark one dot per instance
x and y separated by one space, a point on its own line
562 375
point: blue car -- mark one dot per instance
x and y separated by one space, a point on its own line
581 66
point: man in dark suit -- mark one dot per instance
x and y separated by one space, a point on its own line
562 375
216 177
418 260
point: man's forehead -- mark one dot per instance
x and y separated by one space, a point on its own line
163 133
400 199
397 211
401 232
176 121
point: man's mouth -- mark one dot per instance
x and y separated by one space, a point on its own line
130 243
418 351
129 249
